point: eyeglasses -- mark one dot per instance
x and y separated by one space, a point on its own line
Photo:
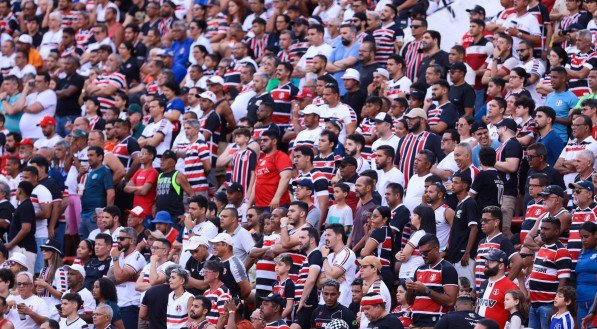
487 220
576 191
256 319
23 284
415 26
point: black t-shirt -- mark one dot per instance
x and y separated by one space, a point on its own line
138 13
489 187
510 149
553 178
131 70
95 269
389 321
24 214
6 210
322 315
449 114
195 268
397 223
366 73
462 96
467 214
355 100
157 304
53 187
440 58
253 105
458 320
69 105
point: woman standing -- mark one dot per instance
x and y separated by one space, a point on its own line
179 300
51 283
586 270
517 81
379 243
422 222
85 251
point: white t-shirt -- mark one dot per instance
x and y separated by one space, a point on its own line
339 215
408 268
239 105
243 243
47 142
89 303
308 137
448 163
341 112
40 195
326 15
50 41
526 23
394 175
77 324
392 141
403 84
414 192
385 295
19 73
145 273
164 127
323 49
127 294
36 304
177 310
29 121
344 259
205 229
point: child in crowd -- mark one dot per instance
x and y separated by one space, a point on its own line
565 308
284 285
403 310
340 212
464 287
515 302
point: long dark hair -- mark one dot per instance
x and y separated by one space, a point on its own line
385 213
427 218
107 289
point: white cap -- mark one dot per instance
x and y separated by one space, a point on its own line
216 79
383 72
76 267
20 259
351 74
311 109
223 237
137 211
25 38
195 241
208 95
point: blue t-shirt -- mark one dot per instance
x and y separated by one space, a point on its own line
494 145
561 102
565 321
181 50
586 280
554 145
341 52
12 121
179 72
98 181
175 104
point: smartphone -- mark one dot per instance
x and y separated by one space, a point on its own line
31 83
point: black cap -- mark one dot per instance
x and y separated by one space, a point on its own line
235 187
575 27
478 125
508 123
349 161
169 154
52 245
477 9
496 255
553 189
458 66
417 94
274 298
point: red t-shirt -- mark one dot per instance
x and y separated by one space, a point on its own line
267 173
491 299
141 177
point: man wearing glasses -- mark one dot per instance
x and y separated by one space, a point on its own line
585 211
102 317
553 203
126 263
30 311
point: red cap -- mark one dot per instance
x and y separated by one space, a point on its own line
372 300
137 211
26 141
306 93
46 121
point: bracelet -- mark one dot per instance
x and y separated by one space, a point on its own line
231 312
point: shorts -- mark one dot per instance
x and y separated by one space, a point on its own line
303 317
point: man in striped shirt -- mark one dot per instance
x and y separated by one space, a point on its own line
387 34
217 293
197 160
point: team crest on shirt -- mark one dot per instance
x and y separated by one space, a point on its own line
496 292
559 102
178 308
432 278
537 212
101 267
593 256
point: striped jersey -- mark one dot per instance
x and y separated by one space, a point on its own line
485 246
578 61
326 164
427 312
367 129
82 37
211 122
9 24
68 18
297 257
125 149
195 154
385 36
552 262
476 55
534 211
563 321
216 25
242 165
413 58
218 298
177 312
383 237
541 13
313 260
579 217
115 79
582 17
265 269
308 137
278 324
408 148
258 45
283 95
319 180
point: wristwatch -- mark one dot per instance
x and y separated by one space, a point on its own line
427 291
520 34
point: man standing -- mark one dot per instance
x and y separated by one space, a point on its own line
373 307
272 307
197 160
432 53
198 313
36 103
339 261
272 174
493 290
367 64
463 316
98 191
553 206
387 34
158 133
561 100
422 166
243 242
410 52
370 271
545 117
383 134
48 129
303 160
431 295
444 215
345 56
585 211
331 309
21 233
364 188
386 172
461 94
443 115
306 285
234 274
99 265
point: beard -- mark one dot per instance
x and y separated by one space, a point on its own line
415 127
194 316
345 42
490 271
12 149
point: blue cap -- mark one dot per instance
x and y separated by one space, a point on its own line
584 184
307 183
167 52
162 217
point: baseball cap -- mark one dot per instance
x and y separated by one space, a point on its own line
477 9
162 217
76 267
383 117
497 256
383 72
370 260
349 161
416 113
311 109
417 94
134 108
216 80
574 27
18 258
458 66
79 133
169 154
372 300
307 183
25 38
223 237
478 125
157 234
508 123
166 52
553 189
584 184
274 298
208 95
52 244
26 141
306 93
137 211
351 74
235 187
195 241
46 121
